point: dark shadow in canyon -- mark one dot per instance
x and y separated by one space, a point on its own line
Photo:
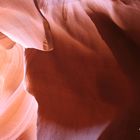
127 54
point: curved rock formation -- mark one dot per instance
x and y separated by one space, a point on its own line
87 87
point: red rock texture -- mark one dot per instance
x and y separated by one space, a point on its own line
87 87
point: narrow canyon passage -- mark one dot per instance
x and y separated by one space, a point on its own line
86 85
